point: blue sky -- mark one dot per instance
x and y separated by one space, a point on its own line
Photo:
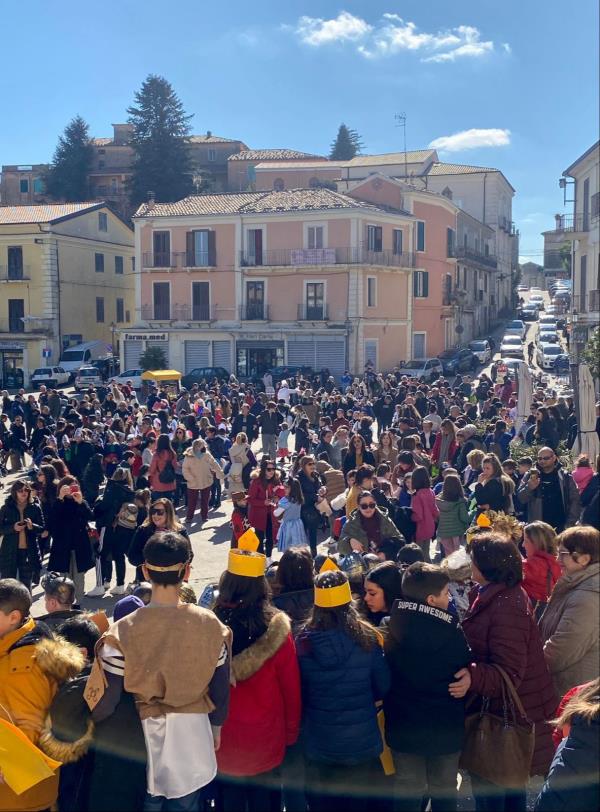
286 74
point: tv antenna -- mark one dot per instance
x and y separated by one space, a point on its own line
401 122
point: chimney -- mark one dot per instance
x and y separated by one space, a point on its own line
208 133
122 133
151 201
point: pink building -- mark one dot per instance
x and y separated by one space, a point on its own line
255 280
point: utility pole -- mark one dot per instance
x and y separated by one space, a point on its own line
401 122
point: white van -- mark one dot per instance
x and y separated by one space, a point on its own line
82 355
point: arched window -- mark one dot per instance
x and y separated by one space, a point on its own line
278 185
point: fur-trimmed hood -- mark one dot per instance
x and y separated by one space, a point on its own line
248 662
59 659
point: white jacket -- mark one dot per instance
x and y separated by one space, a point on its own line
198 471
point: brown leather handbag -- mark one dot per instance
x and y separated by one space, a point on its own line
499 748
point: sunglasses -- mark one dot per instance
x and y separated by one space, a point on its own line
368 506
563 553
157 512
270 469
544 459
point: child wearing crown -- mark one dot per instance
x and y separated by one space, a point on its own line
174 657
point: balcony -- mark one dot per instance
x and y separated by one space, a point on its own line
587 303
177 312
302 257
10 273
163 260
254 312
572 223
471 255
308 312
28 326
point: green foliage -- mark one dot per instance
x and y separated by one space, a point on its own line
347 144
520 450
592 353
161 129
67 177
153 358
565 256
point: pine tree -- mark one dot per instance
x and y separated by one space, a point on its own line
67 178
153 358
347 144
161 130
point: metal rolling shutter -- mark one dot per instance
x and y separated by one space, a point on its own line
222 354
196 354
131 354
332 356
164 346
301 353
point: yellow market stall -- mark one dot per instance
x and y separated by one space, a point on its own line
166 379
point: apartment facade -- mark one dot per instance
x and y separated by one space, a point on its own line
476 267
23 184
242 175
481 192
255 280
66 276
581 230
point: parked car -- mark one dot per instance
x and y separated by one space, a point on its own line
522 288
424 369
516 327
133 375
283 373
529 313
547 355
548 318
49 376
512 346
457 360
86 377
538 300
481 350
547 337
207 374
82 355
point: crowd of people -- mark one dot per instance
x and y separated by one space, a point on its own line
413 577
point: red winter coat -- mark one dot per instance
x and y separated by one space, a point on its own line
500 628
264 706
536 582
437 447
257 510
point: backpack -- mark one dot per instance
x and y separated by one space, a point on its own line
167 475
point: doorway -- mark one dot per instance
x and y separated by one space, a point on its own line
253 362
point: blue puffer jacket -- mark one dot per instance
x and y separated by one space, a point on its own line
340 684
573 781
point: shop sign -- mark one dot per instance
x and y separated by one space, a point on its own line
145 336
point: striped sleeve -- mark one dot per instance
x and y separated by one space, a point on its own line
112 660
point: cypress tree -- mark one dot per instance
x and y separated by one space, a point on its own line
160 141
347 144
67 178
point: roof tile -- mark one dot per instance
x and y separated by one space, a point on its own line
273 155
15 215
255 202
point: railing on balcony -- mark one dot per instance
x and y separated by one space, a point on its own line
326 256
461 252
176 312
587 302
163 259
254 312
572 222
313 312
18 273
18 325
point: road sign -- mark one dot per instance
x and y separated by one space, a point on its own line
46 352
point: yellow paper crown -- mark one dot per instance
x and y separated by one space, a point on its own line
329 597
245 560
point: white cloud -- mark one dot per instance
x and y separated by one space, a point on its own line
345 27
506 48
393 35
472 139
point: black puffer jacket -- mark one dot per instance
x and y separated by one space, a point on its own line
9 515
297 606
116 494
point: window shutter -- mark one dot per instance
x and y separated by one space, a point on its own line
425 283
212 248
189 249
378 239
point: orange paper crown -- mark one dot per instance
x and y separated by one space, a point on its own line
329 597
245 560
